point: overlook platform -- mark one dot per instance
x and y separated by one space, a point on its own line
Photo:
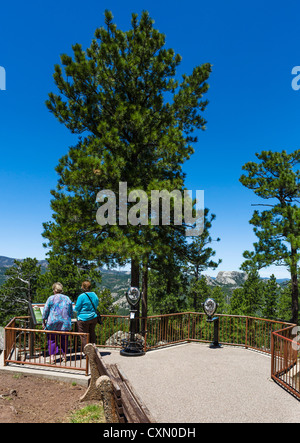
191 383
180 378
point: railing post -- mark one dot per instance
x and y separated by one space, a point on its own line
5 347
145 336
272 354
246 338
189 319
87 357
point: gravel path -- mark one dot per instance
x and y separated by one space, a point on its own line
192 383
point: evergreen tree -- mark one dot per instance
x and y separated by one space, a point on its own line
167 288
136 124
271 298
236 306
284 303
248 300
199 291
276 179
106 303
63 269
219 296
19 288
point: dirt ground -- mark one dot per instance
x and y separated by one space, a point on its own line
29 399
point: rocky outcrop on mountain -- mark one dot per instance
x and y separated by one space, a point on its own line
210 281
232 278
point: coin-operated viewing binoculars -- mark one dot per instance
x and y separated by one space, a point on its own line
132 347
210 307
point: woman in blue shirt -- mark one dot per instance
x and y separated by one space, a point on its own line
86 306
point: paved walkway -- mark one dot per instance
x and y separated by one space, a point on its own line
192 383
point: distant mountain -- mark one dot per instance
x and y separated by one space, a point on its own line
234 279
228 278
281 280
118 283
7 262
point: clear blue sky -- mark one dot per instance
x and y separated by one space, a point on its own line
253 47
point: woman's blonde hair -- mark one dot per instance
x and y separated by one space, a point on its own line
86 285
57 287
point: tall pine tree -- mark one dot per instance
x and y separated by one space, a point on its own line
136 123
276 179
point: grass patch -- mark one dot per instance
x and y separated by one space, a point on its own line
88 414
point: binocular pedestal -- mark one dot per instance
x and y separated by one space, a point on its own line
215 344
134 346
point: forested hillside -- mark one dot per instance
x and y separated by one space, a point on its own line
235 292
2 277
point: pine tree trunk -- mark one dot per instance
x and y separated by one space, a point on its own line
295 287
135 273
144 295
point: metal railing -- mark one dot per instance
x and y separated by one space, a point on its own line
162 330
285 363
267 336
114 329
249 332
30 346
25 346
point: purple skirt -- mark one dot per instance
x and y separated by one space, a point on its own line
57 344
